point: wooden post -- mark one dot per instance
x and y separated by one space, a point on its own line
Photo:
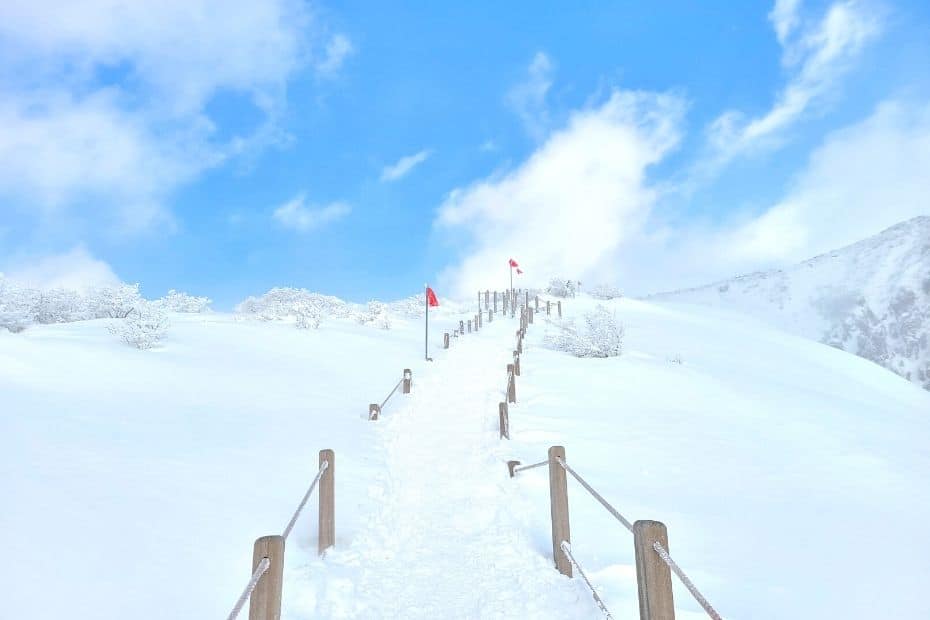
511 385
487 300
558 509
408 379
495 301
327 529
537 303
526 299
469 326
529 316
479 318
265 602
374 410
490 315
461 327
511 465
548 308
504 420
653 576
516 363
445 340
560 308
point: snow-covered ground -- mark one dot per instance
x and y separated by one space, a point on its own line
792 476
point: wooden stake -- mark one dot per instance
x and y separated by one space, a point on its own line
548 308
374 410
560 308
445 340
495 301
327 529
408 379
558 509
529 316
537 303
265 602
469 326
461 327
653 576
511 385
516 363
504 420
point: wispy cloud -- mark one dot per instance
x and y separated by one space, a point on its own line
75 269
569 206
404 165
528 98
72 139
297 215
338 48
816 56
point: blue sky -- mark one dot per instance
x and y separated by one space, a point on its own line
361 149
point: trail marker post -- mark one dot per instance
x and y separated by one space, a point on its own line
327 521
558 509
265 602
653 576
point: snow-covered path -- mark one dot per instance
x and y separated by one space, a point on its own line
444 540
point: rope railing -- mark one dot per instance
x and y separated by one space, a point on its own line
303 502
567 550
249 587
384 402
686 581
525 467
626 523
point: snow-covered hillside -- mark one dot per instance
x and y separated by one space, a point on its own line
136 481
871 298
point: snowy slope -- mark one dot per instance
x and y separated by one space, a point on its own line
140 479
871 298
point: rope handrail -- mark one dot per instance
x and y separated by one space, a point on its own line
686 581
391 394
597 496
567 550
539 464
260 570
290 526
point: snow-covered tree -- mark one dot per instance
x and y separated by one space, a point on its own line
560 287
376 315
176 301
115 302
601 335
143 327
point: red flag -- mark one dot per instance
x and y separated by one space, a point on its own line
431 298
519 270
514 263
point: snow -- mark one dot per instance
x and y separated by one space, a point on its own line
790 474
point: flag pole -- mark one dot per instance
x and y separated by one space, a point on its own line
426 331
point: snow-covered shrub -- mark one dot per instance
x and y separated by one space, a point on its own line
176 301
376 315
601 335
606 291
114 302
282 303
143 327
559 287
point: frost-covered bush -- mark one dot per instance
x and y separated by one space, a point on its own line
114 302
176 301
606 291
143 327
376 315
559 287
601 335
282 303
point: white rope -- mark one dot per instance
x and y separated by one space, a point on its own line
259 571
567 550
684 579
540 464
323 467
596 495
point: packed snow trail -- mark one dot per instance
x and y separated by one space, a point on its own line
443 540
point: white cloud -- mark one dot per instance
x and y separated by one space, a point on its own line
337 50
816 56
404 165
528 98
108 100
75 269
302 217
569 207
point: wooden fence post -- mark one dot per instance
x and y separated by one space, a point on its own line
490 315
495 301
516 363
526 301
548 308
520 342
408 379
504 420
374 410
487 299
265 602
537 303
558 509
327 528
445 340
461 327
511 385
469 326
560 308
529 316
653 576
